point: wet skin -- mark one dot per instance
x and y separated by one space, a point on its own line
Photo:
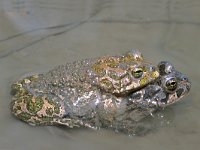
168 89
111 91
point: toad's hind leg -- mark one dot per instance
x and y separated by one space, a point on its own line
35 110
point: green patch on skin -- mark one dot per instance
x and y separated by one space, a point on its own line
42 120
37 122
56 109
16 86
24 116
56 106
143 80
32 106
49 111
46 120
17 90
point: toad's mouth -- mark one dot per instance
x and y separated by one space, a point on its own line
129 92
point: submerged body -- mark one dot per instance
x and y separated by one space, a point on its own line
112 91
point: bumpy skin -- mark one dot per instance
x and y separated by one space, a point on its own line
75 94
168 89
73 90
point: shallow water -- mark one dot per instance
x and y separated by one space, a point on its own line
36 35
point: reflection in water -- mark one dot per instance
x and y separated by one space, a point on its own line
159 119
151 124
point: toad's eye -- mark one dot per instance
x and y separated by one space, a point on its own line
171 84
137 72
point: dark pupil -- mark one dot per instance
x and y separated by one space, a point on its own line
171 85
138 73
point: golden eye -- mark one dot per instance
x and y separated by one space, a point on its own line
171 84
137 73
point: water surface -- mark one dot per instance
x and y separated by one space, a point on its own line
37 35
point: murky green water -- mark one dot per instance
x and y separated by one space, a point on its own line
36 35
